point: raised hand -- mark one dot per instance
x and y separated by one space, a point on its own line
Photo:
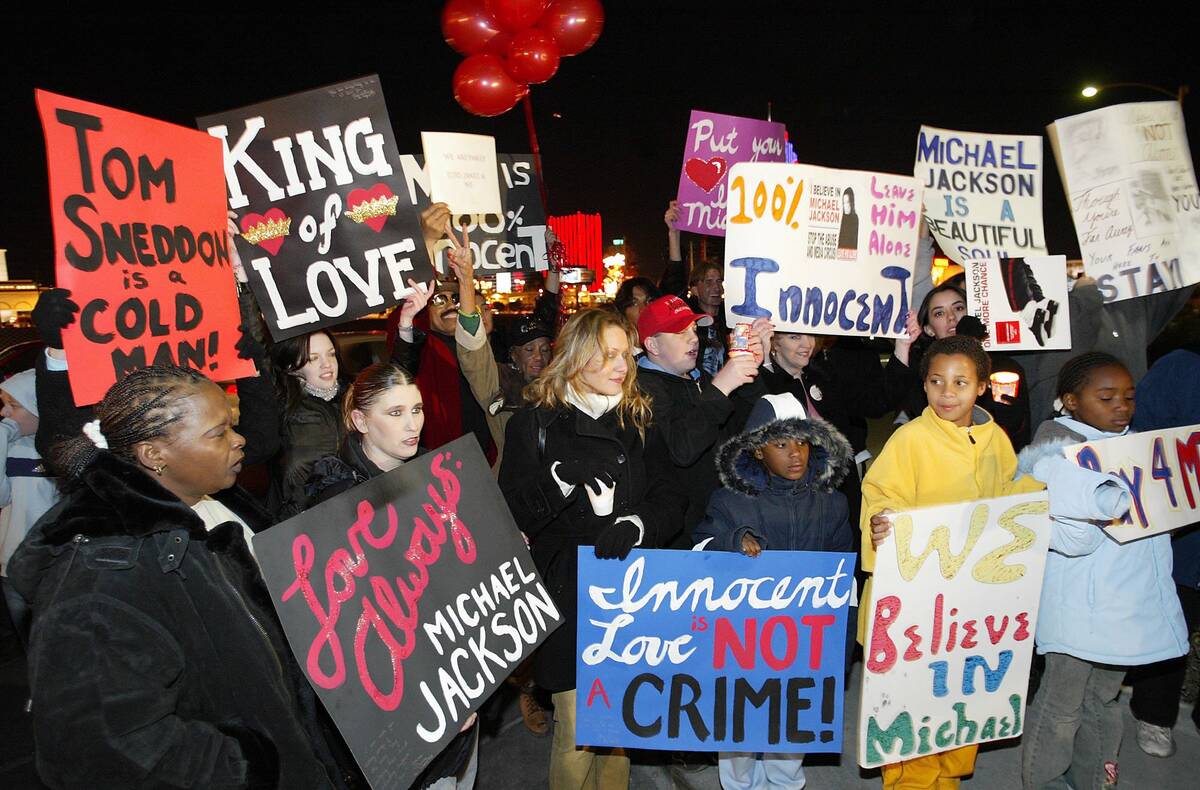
415 302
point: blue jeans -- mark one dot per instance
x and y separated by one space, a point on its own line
1073 727
751 771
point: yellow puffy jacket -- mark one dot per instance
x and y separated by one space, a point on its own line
930 461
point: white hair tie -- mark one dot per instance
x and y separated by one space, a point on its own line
92 431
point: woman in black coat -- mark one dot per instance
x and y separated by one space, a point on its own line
383 414
155 658
582 467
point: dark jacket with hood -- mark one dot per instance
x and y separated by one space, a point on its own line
808 514
155 658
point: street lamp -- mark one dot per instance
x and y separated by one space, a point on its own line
1091 91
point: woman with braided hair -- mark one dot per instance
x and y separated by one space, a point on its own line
155 656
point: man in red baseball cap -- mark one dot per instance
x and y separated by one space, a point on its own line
695 411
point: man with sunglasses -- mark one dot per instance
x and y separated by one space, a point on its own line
451 410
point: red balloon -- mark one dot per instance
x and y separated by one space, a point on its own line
575 24
499 45
515 15
483 87
532 56
467 26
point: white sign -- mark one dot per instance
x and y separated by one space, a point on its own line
820 251
462 171
983 193
1021 301
1162 470
1129 179
950 632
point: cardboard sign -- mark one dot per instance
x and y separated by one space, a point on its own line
315 179
1128 174
407 601
1022 302
1162 472
462 171
140 241
715 143
950 629
708 651
983 193
821 251
513 239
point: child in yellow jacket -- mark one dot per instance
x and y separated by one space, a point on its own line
952 452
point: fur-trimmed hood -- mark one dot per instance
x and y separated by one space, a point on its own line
829 459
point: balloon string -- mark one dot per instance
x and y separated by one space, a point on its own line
537 153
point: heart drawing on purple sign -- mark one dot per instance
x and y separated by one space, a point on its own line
706 174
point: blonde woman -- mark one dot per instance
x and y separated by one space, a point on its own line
583 467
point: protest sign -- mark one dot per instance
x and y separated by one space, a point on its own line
983 193
407 601
949 638
1128 174
1022 302
796 252
715 143
711 650
315 180
140 241
514 239
1162 471
462 171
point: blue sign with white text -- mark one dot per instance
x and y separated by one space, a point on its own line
713 651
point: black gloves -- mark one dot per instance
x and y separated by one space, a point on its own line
585 473
248 347
54 311
616 540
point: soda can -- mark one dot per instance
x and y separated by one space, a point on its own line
740 342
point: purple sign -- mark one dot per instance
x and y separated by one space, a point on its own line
715 143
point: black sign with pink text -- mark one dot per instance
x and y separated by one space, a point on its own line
407 601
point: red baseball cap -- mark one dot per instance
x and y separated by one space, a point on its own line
668 314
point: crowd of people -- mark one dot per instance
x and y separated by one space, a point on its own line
155 655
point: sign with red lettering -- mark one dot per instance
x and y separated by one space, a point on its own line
139 234
821 251
1162 471
949 638
407 600
327 231
713 651
1022 302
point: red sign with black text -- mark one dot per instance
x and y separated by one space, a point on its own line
139 233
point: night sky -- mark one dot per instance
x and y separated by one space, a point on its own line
853 87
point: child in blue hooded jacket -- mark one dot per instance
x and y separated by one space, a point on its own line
1105 605
780 478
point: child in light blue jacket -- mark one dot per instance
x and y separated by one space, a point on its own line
1105 605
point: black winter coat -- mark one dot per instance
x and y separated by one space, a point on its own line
556 526
155 659
694 418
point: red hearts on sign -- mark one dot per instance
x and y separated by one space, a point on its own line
706 174
382 194
250 219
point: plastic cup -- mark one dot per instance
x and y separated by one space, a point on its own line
1004 383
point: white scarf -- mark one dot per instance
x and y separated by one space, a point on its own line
593 404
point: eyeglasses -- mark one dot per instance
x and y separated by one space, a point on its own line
443 299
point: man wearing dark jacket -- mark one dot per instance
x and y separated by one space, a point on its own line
694 411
